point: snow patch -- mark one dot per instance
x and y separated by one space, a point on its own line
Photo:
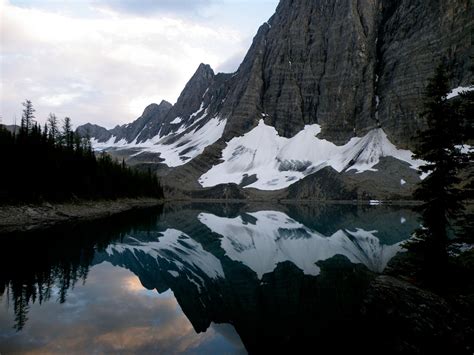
277 162
177 120
99 146
402 182
465 149
375 202
460 89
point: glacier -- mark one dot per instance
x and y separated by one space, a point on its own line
276 162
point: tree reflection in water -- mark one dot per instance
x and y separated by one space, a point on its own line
36 266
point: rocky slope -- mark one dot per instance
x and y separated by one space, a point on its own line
335 70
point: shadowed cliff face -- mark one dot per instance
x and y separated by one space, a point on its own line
351 66
312 63
414 38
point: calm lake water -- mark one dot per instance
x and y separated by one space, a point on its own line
199 279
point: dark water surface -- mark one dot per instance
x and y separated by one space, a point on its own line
199 279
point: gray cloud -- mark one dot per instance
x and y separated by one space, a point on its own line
148 7
231 64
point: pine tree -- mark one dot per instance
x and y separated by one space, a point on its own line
439 147
53 127
27 118
45 133
67 133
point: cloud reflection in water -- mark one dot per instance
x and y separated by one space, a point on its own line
110 314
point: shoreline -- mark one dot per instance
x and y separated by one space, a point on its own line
35 217
298 201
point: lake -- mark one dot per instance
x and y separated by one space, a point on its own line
200 279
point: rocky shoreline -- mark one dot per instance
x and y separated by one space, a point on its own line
27 218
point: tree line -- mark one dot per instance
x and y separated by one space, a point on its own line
54 163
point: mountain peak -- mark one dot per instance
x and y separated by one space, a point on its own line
165 104
204 68
154 108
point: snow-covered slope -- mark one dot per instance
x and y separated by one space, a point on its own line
276 162
177 147
273 237
180 253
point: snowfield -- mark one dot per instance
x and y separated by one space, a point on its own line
176 148
274 162
187 146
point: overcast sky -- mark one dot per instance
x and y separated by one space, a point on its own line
103 61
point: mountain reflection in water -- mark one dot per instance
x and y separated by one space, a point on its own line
229 279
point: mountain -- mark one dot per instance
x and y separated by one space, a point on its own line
152 117
11 128
326 89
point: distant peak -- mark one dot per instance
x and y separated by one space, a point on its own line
150 109
165 104
204 70
204 66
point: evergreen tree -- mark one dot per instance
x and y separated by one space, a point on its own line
27 118
53 127
45 133
67 133
439 147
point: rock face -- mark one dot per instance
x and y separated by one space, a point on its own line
414 38
347 66
94 131
152 117
350 66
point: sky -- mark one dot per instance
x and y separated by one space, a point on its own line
104 61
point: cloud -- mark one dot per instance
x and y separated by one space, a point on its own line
104 64
149 7
231 64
